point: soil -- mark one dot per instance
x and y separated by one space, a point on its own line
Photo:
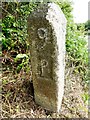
18 97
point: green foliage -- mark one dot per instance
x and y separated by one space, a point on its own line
76 45
20 56
14 33
23 61
66 8
86 97
14 26
87 25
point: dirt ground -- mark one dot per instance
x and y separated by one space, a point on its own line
18 99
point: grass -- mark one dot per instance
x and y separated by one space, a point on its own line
18 96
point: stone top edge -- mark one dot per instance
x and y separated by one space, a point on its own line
55 5
43 10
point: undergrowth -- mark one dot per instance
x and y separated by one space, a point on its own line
16 66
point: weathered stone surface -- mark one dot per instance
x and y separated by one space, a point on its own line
46 29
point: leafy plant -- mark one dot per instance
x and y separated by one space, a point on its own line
86 97
14 33
14 26
76 44
22 61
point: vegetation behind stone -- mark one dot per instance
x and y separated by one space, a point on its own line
16 69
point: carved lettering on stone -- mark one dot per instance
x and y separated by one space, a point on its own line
42 33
